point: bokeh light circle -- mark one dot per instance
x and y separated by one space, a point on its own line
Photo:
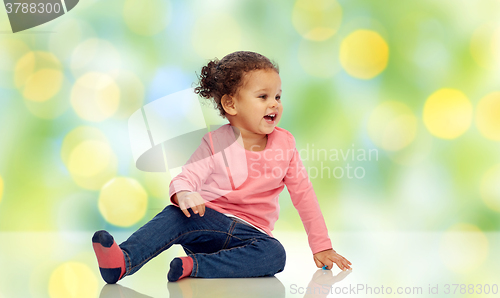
317 20
215 35
73 280
417 151
131 93
43 85
95 96
94 55
38 75
70 33
11 50
490 188
364 54
464 247
146 17
88 157
447 113
53 107
123 201
488 116
392 126
39 78
77 136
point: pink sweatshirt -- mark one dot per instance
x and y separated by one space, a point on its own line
247 184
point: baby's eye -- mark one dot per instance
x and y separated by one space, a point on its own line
263 96
278 97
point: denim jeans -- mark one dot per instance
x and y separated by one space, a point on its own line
220 246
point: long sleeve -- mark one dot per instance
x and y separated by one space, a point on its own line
194 173
305 201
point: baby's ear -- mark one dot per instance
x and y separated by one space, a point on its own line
228 104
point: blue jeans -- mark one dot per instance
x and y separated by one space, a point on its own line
220 246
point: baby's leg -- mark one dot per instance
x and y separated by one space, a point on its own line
167 228
248 253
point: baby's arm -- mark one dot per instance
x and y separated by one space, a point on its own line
184 186
330 256
305 201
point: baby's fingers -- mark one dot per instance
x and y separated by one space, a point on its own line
346 261
318 263
184 210
201 209
345 266
199 204
197 209
342 263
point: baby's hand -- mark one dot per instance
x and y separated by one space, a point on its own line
328 257
193 200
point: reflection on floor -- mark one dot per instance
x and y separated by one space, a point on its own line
384 264
264 287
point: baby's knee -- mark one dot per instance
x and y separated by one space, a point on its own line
277 255
171 209
282 258
172 212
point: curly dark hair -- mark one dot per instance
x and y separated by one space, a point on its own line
222 77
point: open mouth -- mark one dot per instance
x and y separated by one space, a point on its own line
270 117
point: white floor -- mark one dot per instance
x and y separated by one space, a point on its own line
421 264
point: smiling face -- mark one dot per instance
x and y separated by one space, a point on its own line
256 107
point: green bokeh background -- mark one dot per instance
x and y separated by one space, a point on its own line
429 49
